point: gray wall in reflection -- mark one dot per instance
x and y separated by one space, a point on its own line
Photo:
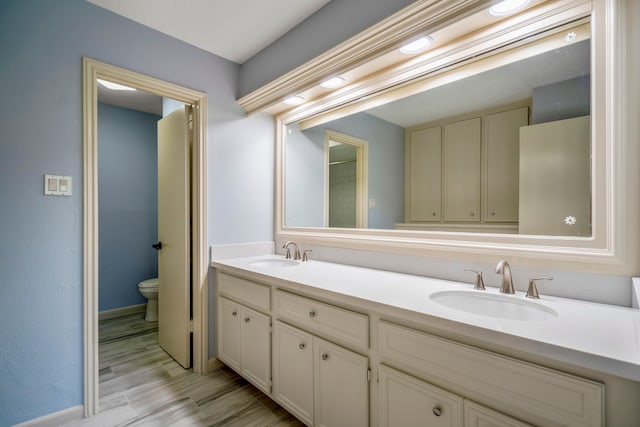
304 178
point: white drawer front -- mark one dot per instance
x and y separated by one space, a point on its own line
536 394
480 416
246 291
408 402
337 323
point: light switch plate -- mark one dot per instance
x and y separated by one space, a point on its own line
57 185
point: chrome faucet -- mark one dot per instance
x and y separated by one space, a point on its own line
506 287
296 255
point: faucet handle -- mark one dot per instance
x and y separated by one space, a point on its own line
305 257
532 292
479 286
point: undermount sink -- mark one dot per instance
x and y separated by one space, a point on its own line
275 262
494 305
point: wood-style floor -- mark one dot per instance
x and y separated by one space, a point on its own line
140 385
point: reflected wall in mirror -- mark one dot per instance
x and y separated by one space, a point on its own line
346 163
494 147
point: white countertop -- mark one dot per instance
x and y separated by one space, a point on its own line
601 337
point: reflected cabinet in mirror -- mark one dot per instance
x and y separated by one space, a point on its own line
501 138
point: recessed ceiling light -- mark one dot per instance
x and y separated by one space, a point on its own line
294 100
417 45
506 7
113 86
332 82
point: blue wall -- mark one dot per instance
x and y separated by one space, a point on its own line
128 207
334 23
42 43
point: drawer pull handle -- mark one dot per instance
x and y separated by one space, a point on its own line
325 356
437 411
247 319
235 313
312 314
302 346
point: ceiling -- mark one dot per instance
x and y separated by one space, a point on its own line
500 86
233 29
133 100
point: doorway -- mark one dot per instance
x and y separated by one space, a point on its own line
346 172
92 70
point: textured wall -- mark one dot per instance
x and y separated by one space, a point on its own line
42 44
128 208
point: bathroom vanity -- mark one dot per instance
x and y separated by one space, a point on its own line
343 345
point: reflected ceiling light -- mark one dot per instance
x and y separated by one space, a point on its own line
294 100
417 45
113 86
332 82
506 7
571 36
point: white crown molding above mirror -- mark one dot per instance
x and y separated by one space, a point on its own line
613 245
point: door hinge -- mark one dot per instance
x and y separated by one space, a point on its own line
191 325
369 375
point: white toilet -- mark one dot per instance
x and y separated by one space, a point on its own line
149 289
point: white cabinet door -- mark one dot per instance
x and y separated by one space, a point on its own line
502 164
341 386
244 342
555 178
293 370
462 170
476 415
229 325
409 402
256 348
424 196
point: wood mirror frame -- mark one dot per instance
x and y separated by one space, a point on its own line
613 246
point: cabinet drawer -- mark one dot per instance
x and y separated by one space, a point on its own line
533 393
480 416
340 324
246 291
407 401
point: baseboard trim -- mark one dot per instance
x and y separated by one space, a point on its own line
122 311
56 418
214 364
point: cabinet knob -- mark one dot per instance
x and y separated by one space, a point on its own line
247 320
325 356
302 346
234 313
312 314
493 213
437 411
433 214
472 214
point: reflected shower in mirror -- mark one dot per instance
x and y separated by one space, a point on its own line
492 146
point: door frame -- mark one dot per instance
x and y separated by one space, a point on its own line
91 70
362 175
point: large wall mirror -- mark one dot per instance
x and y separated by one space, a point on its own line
503 148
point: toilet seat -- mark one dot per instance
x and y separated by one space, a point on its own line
149 283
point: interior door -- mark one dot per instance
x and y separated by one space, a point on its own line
174 301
